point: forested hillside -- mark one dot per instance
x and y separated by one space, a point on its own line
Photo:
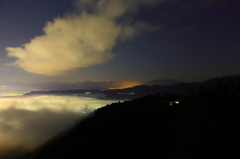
205 125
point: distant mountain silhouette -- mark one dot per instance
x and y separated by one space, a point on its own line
138 91
163 82
211 82
200 126
124 94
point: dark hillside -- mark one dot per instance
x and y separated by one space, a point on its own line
201 126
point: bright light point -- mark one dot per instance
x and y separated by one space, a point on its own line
177 102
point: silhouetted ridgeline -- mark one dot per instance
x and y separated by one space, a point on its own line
139 91
200 126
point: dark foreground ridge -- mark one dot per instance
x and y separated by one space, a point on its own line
200 126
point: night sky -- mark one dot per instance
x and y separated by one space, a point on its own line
128 42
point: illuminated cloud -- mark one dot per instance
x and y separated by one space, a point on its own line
80 40
2 87
68 43
26 123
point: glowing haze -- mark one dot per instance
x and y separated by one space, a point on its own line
25 123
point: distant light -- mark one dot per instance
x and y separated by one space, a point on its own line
131 93
177 102
87 92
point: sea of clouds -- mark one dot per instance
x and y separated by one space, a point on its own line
28 122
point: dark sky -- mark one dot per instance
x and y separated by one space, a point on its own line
112 40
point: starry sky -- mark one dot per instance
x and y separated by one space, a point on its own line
116 43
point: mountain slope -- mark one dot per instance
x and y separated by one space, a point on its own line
201 126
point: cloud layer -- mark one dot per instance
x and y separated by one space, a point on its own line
36 119
80 40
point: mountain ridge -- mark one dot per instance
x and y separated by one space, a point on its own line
138 91
200 126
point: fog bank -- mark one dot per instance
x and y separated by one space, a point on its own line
26 123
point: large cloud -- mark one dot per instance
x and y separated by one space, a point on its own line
68 43
80 40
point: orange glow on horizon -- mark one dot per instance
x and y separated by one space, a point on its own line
126 84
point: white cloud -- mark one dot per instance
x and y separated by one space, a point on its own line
68 43
77 41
